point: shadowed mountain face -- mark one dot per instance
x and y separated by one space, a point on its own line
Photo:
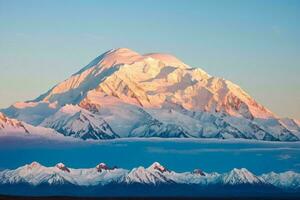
36 179
124 94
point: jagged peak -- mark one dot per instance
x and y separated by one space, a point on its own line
34 164
62 167
240 176
101 165
157 166
240 171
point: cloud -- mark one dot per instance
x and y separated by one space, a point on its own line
297 165
205 150
284 157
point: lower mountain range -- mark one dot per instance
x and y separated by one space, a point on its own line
156 180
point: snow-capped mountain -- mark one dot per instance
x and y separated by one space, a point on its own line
36 174
287 179
75 121
125 94
8 125
13 127
154 174
241 176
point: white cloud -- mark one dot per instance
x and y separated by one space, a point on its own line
203 150
284 156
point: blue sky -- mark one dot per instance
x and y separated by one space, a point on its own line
255 44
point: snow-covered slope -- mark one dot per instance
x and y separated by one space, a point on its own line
156 174
13 127
8 125
31 112
287 179
241 176
152 95
72 120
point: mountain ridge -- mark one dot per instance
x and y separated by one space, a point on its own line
36 174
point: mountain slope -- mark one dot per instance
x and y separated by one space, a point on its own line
13 127
152 95
287 179
241 176
75 121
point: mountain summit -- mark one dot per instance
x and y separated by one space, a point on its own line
151 95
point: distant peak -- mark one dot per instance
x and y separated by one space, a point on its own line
34 164
242 170
157 166
62 167
240 176
102 166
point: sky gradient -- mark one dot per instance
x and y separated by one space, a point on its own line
255 44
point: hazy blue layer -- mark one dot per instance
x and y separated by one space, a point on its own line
176 154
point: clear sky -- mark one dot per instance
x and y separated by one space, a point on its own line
255 44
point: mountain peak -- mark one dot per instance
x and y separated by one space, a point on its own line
157 166
241 176
102 166
34 164
122 50
118 56
62 167
168 59
128 94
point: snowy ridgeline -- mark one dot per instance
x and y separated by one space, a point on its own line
123 94
36 174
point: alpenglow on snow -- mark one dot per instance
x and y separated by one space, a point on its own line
124 94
